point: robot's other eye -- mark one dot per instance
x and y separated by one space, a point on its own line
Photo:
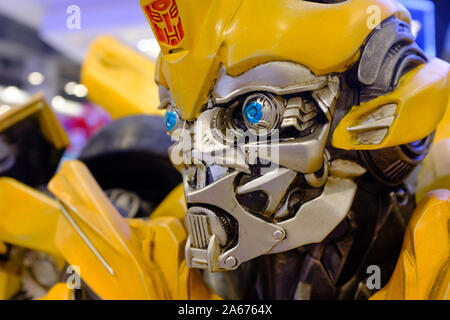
171 119
261 112
253 112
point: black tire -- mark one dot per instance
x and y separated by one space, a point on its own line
131 154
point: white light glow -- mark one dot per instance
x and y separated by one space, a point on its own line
4 108
66 107
69 88
416 26
58 102
36 78
13 95
80 91
150 47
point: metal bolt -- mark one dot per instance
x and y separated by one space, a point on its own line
278 234
230 262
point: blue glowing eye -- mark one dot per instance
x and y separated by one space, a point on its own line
171 120
253 112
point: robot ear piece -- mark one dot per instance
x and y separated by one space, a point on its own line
388 54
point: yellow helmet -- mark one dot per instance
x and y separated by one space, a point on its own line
199 36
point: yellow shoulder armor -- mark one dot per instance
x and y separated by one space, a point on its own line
120 258
409 113
423 269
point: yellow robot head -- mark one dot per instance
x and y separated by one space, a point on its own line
255 92
199 37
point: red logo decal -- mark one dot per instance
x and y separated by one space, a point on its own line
166 21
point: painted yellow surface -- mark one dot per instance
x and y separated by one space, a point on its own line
163 240
120 79
60 291
28 218
120 258
423 269
435 170
174 205
37 107
242 34
443 129
10 283
421 98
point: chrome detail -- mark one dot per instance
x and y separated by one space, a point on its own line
315 219
270 113
231 262
287 153
346 169
299 114
374 127
217 172
326 97
275 184
209 144
278 77
165 97
316 181
129 202
283 210
202 223
213 161
249 244
198 227
201 258
278 235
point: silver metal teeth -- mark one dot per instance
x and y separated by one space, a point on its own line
199 231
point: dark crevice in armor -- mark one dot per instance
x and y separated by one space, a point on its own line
34 159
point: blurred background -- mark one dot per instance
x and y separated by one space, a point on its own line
41 49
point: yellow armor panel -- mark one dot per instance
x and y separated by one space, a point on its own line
59 291
242 34
120 258
10 283
119 79
174 205
421 99
423 269
28 218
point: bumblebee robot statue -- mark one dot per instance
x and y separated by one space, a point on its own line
313 142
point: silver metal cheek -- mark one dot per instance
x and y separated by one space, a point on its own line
315 219
312 223
255 236
309 149
211 146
